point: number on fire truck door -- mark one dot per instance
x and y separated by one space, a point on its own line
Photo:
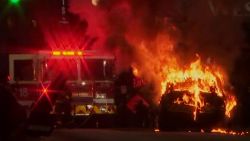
23 92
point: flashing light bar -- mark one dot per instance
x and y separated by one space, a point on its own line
67 53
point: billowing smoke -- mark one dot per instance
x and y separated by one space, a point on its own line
163 28
121 25
95 18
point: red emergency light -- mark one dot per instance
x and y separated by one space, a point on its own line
67 53
45 90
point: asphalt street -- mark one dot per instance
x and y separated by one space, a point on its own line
136 135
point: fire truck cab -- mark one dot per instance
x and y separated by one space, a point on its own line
89 78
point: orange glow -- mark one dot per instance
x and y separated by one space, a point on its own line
224 131
135 71
67 53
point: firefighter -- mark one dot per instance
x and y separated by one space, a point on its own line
61 98
124 91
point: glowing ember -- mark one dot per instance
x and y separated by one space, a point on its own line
223 131
157 130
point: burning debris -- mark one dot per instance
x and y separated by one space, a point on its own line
224 131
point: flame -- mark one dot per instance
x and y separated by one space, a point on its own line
230 104
224 131
195 79
135 70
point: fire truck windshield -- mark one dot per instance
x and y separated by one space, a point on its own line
97 69
79 69
67 67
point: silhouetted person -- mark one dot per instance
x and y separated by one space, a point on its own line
141 114
42 109
61 97
124 90
12 115
40 117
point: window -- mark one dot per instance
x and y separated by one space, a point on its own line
65 67
23 70
97 69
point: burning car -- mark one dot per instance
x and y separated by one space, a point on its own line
194 98
178 111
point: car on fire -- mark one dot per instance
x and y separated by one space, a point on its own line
178 111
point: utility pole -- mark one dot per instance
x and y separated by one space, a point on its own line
63 13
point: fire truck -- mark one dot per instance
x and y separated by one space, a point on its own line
89 78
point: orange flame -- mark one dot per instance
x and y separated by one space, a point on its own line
196 78
230 104
223 131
